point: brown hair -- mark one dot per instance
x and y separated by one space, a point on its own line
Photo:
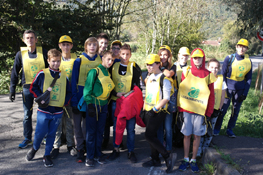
29 31
126 47
53 53
91 40
102 35
170 56
214 60
107 52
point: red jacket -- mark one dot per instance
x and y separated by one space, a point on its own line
127 108
202 72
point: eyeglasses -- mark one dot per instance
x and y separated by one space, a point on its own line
116 48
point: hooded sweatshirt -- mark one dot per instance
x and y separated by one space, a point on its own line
202 72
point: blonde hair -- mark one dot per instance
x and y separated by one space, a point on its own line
53 53
91 40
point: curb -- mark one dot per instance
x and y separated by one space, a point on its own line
211 155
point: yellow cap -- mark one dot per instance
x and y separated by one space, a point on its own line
197 53
152 58
65 38
165 47
243 42
116 42
184 51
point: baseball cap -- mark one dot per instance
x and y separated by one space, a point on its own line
243 42
184 51
197 53
152 58
116 42
65 38
165 47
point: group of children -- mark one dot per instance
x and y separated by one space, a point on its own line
85 85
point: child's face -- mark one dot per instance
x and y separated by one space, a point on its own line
103 44
182 58
54 62
30 40
164 56
198 61
213 67
65 47
107 61
92 48
125 56
115 50
152 67
241 50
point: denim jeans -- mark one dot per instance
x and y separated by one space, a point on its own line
28 100
130 127
94 135
232 96
168 131
47 125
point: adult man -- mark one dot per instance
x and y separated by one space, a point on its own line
237 73
31 59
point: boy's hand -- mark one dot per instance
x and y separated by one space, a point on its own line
119 94
42 102
12 96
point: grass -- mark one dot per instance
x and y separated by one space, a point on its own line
207 169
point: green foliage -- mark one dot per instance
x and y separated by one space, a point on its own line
209 168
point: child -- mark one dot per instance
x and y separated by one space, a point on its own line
49 118
168 70
82 65
219 88
65 44
115 48
125 75
237 73
196 101
96 92
155 105
103 40
182 62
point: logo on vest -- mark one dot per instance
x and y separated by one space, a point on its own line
109 86
194 92
149 98
55 89
241 68
54 97
68 71
34 68
120 85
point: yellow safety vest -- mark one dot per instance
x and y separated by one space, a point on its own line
67 66
58 93
122 82
107 85
85 66
152 94
218 91
32 66
179 72
240 68
194 93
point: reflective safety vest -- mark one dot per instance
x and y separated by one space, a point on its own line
152 94
85 66
107 85
122 82
240 68
218 91
179 72
194 93
32 66
58 93
67 66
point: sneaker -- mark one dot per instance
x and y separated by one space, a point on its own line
54 153
230 133
114 155
25 143
216 132
152 162
132 157
80 156
30 154
183 165
100 160
194 167
72 151
90 162
170 161
47 161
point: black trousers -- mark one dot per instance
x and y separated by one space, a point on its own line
152 125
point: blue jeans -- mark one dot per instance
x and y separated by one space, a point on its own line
232 95
130 127
28 111
94 131
168 131
47 125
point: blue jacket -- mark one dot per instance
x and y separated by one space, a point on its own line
236 85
